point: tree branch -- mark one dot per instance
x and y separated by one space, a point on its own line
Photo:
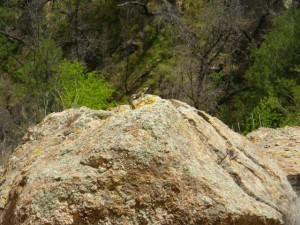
143 5
132 3
228 97
16 38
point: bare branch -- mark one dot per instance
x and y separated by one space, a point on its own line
143 5
132 3
10 36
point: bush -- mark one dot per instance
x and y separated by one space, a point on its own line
75 86
266 114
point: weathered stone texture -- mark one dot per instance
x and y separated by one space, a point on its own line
283 146
162 163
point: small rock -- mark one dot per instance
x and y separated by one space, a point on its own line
94 188
131 202
102 169
57 178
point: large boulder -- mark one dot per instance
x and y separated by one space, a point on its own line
282 145
162 163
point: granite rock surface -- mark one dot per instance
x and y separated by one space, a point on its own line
162 163
283 146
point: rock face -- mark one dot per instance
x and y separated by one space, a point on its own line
162 163
283 145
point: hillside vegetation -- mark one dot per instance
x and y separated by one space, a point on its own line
236 60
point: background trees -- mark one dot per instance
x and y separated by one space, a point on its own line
235 59
274 74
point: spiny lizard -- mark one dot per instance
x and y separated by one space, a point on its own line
136 96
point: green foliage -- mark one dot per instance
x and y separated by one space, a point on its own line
150 63
274 77
217 76
265 114
47 58
289 94
75 87
40 65
195 10
275 55
8 12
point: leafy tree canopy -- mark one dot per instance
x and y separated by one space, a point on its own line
75 86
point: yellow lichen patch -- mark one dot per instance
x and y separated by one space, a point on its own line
116 197
37 151
139 104
55 141
6 170
147 100
252 139
77 130
18 150
3 201
120 109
